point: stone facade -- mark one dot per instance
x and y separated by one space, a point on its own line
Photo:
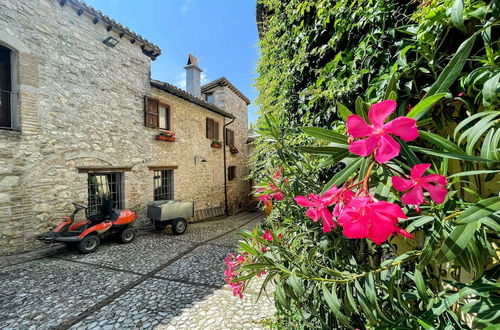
79 107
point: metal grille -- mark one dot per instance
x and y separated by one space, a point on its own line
163 185
104 186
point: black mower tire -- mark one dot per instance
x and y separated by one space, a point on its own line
127 235
179 226
88 244
160 225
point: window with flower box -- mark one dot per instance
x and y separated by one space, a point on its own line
157 114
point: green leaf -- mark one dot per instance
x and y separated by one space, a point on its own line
391 87
339 178
321 150
440 141
456 242
422 220
420 283
479 172
482 209
457 15
296 283
490 94
342 111
450 155
334 304
424 105
453 68
362 108
487 311
325 134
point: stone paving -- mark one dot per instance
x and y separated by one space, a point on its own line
160 281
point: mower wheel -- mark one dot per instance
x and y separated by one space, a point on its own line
160 225
179 226
127 235
88 244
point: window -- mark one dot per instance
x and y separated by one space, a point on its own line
103 186
229 137
231 172
212 129
163 185
164 117
5 88
209 97
157 115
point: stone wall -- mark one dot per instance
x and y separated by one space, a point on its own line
80 105
238 189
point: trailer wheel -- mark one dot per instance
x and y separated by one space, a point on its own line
88 244
127 235
179 226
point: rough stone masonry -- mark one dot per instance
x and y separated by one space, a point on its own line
78 105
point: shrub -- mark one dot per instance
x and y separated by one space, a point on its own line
431 262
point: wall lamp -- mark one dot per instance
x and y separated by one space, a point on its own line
111 42
199 159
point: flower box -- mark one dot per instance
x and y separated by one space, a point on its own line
216 144
165 138
233 150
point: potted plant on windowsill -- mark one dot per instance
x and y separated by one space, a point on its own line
233 150
216 144
166 136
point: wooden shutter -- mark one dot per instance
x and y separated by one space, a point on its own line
210 128
216 130
229 137
152 112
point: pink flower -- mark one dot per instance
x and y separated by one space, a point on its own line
318 208
266 199
232 262
365 218
267 236
339 197
278 196
418 183
277 175
379 138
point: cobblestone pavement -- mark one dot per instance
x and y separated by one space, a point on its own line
160 281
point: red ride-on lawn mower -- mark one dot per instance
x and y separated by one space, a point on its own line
86 235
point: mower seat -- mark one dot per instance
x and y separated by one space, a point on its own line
106 212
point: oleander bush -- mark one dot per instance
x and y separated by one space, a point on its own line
377 163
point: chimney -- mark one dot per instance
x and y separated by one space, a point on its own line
193 79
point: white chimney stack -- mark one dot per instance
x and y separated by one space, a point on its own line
193 76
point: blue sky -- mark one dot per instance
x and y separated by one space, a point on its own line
221 33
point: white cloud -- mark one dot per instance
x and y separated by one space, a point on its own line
180 79
188 4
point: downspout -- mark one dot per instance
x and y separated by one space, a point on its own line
225 170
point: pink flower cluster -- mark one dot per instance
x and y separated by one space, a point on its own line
359 214
379 140
272 192
234 262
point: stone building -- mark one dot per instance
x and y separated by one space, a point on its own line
80 119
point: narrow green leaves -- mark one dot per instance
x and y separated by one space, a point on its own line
424 106
453 69
324 134
457 13
457 241
482 209
339 178
342 111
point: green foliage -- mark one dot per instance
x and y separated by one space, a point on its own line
324 60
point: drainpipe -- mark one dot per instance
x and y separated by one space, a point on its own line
225 165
